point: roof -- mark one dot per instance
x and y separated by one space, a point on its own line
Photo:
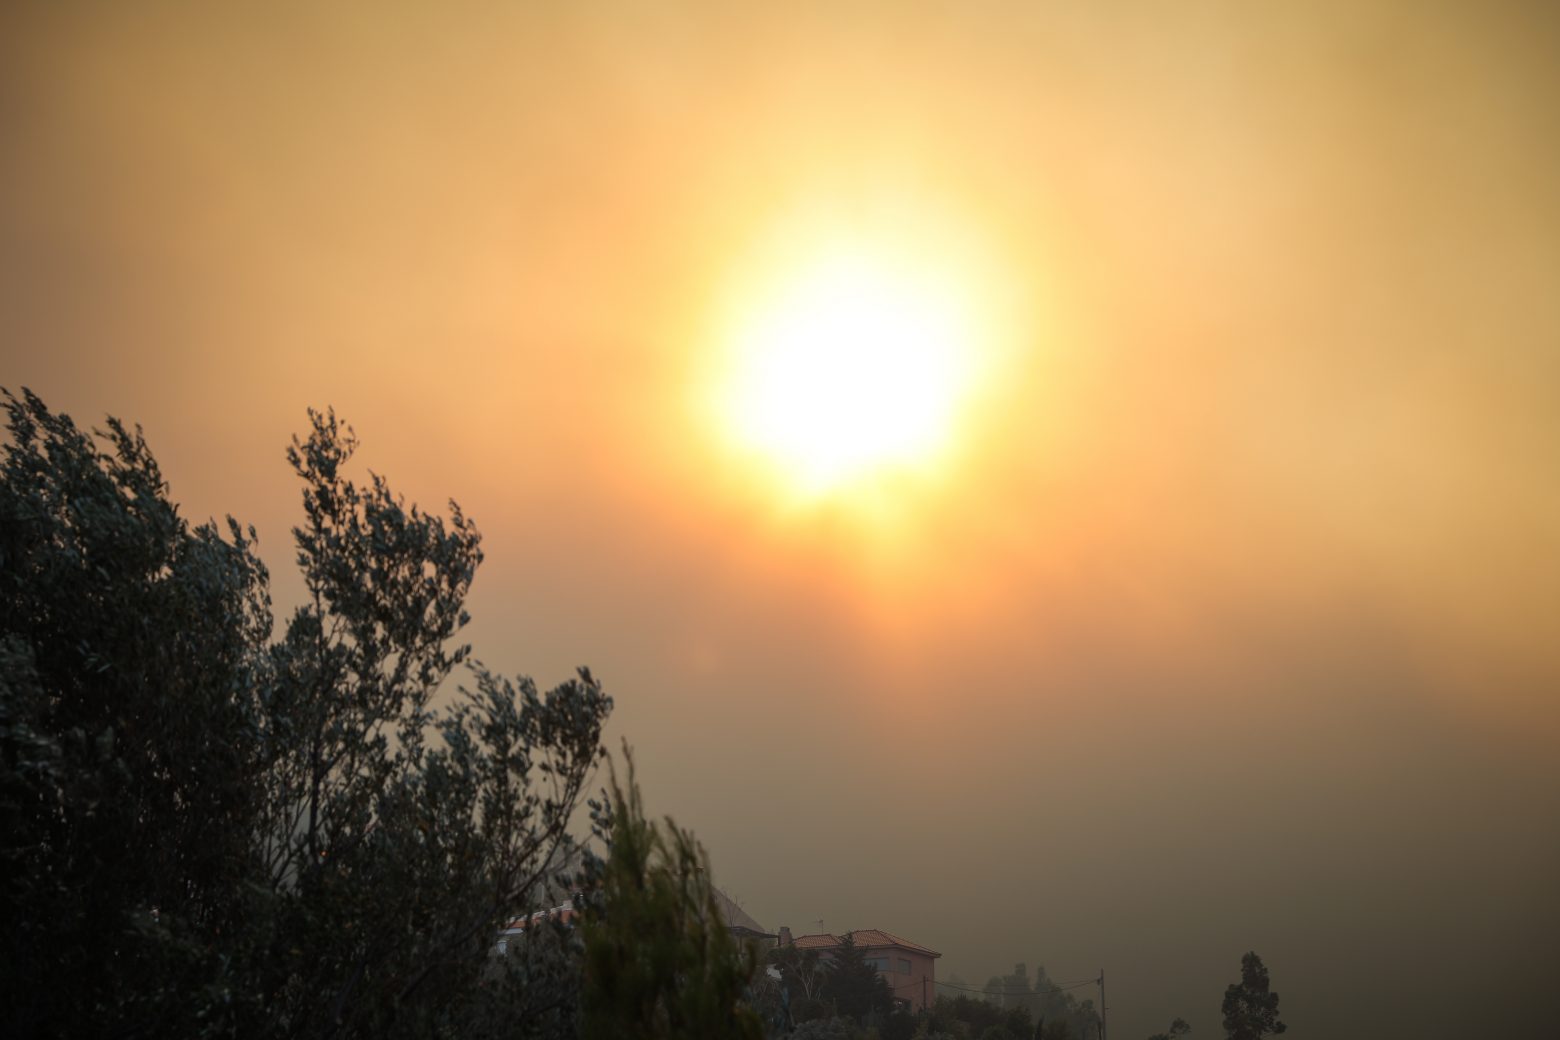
564 914
822 941
736 918
865 938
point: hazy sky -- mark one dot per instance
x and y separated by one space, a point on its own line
1228 617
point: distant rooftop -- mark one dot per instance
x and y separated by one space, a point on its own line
866 938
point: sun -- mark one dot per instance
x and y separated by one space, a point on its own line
851 365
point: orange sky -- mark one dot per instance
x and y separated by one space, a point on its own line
1228 619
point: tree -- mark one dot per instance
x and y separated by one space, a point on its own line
964 1015
1178 1028
1250 1009
800 968
132 664
209 833
1010 991
802 976
659 959
398 855
852 984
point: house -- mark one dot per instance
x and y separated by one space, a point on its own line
909 968
738 922
565 915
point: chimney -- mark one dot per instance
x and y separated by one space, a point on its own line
785 936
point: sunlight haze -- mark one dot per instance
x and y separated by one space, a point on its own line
1068 483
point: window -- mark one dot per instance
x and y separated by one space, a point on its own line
879 963
904 965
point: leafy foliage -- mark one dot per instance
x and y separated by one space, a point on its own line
1250 1007
827 1028
131 664
797 996
853 986
204 832
1032 1007
659 959
965 1016
1178 1028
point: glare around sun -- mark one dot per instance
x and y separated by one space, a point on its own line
850 366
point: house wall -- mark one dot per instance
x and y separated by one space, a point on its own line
916 983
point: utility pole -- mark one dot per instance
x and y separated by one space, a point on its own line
1104 1033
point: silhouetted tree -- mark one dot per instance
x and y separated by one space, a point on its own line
801 969
854 986
1250 1008
963 1015
967 1016
802 975
203 832
1178 1028
133 667
1008 991
1041 1000
1053 1030
659 959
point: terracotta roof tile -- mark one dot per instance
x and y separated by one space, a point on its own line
878 937
564 914
822 941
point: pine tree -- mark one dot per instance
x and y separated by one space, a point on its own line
852 984
1250 1008
659 959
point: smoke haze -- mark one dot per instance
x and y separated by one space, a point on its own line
1232 624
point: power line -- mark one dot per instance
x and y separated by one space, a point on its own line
992 992
1015 993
